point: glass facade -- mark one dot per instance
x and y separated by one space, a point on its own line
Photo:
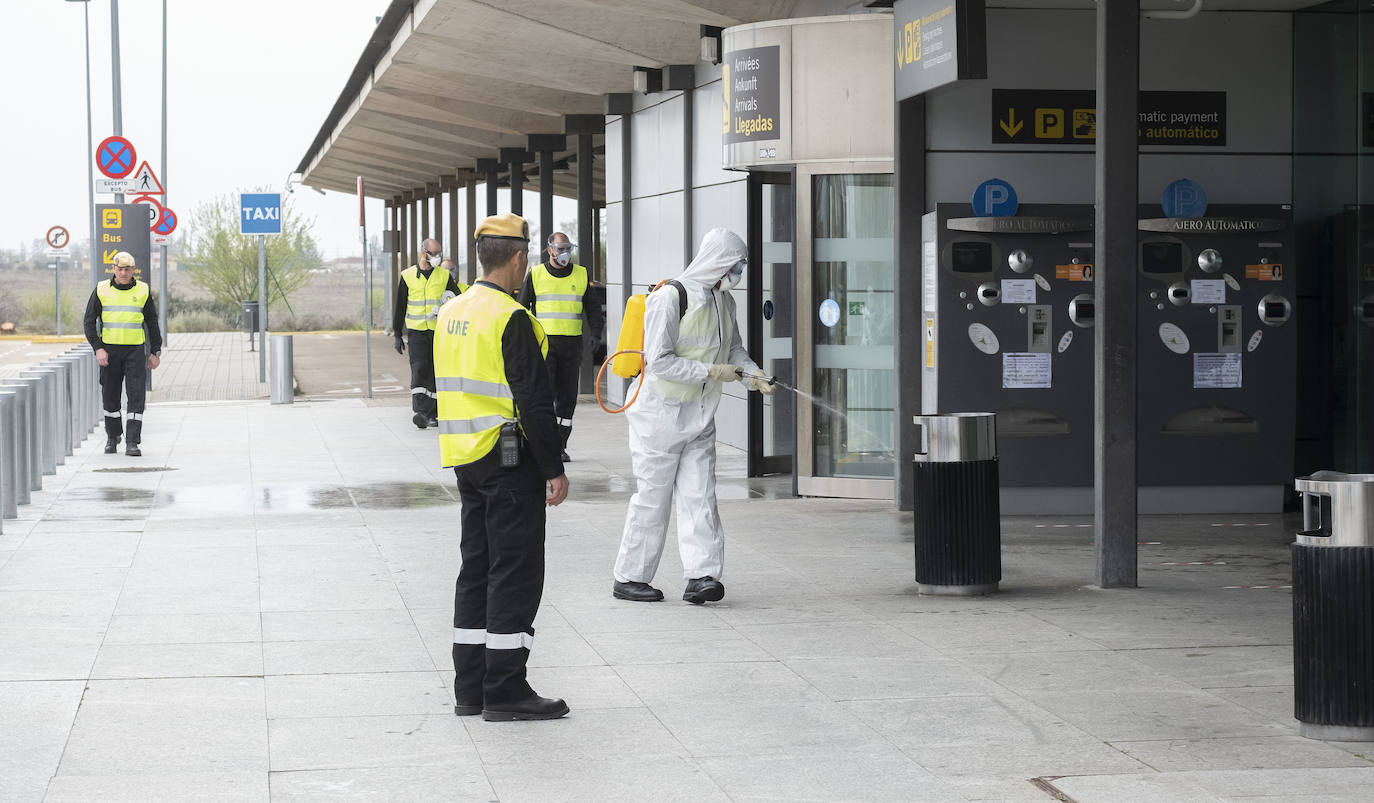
1333 203
852 281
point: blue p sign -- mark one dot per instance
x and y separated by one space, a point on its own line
1184 198
994 198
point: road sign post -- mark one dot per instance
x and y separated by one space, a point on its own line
57 238
260 214
367 284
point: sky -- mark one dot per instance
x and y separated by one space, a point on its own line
249 84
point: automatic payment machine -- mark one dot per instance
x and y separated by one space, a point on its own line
1007 303
1217 359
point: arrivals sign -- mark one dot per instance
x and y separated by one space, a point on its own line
938 42
1069 117
750 81
124 227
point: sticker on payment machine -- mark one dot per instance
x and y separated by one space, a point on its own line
1265 273
1074 273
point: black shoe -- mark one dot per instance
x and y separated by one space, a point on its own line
420 420
433 422
467 709
111 445
533 707
133 451
636 592
704 589
564 456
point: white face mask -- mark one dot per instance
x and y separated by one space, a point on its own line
732 279
434 261
563 258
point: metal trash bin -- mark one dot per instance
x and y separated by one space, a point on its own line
1333 608
957 509
248 320
281 379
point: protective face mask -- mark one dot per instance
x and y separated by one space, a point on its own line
732 279
563 258
434 261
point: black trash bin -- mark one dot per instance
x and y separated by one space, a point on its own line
1333 608
957 510
248 319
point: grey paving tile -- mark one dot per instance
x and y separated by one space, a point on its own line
326 593
235 659
889 678
206 699
837 639
989 630
364 625
376 694
389 741
1144 788
139 741
214 787
38 717
604 614
884 774
188 598
353 656
1224 667
1128 715
1347 783
1271 752
428 782
194 628
676 647
603 734
584 687
47 652
671 779
1091 670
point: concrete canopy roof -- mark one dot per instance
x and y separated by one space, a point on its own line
443 83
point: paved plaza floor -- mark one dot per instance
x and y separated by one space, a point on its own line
259 608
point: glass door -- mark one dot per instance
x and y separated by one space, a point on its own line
846 291
772 419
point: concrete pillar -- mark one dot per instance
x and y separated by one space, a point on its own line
909 171
468 240
1114 398
489 167
515 159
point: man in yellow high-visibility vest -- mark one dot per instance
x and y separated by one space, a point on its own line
423 288
497 432
121 317
557 292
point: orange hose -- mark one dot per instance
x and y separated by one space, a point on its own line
602 372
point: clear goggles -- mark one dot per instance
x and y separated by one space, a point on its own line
562 248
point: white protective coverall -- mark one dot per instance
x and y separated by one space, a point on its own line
672 425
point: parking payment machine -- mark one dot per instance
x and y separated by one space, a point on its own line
1007 304
1217 359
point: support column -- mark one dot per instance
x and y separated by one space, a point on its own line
515 158
407 244
909 174
489 167
423 196
434 190
682 78
545 145
469 240
450 183
1114 397
584 126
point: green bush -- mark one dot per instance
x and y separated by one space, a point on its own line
38 314
197 321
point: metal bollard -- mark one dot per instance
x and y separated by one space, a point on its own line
75 394
26 443
91 408
62 413
46 430
9 457
281 379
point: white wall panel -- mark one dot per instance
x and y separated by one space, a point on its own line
612 162
720 205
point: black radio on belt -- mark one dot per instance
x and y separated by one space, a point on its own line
509 442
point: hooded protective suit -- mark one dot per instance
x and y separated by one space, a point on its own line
672 425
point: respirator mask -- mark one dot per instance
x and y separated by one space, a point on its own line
562 253
735 275
434 260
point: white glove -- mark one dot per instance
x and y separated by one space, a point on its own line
762 385
723 372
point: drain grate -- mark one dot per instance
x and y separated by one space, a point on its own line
132 469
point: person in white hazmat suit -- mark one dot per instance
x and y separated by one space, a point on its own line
688 353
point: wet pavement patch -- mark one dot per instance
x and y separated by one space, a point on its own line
276 498
132 470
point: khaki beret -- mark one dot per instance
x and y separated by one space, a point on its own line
509 226
124 259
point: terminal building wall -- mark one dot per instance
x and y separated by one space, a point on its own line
1247 55
658 203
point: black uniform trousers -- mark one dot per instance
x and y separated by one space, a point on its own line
565 369
500 583
127 371
420 344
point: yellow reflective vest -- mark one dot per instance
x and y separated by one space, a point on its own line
424 297
121 313
558 302
470 372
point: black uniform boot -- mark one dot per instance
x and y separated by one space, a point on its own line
111 444
132 450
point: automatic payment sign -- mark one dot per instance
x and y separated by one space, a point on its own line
750 79
1069 117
